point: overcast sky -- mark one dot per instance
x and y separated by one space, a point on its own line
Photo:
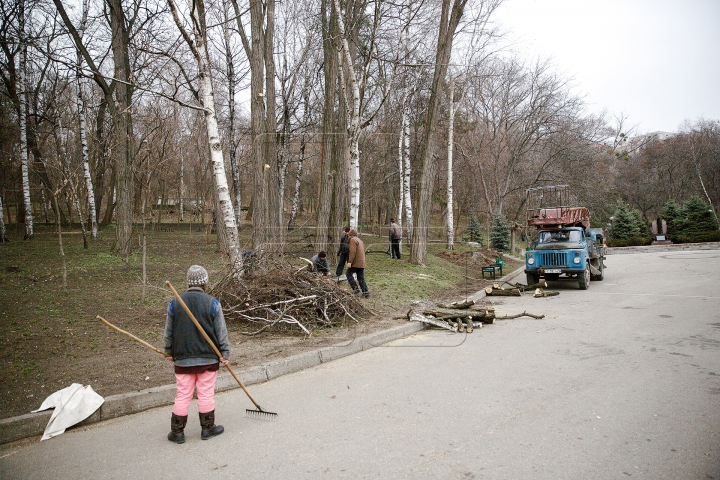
655 61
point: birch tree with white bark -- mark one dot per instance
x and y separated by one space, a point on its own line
22 120
198 47
232 78
82 127
355 70
451 125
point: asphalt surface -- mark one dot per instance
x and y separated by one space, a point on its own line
622 380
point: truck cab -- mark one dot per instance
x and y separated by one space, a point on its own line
560 254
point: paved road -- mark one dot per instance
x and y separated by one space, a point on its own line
620 381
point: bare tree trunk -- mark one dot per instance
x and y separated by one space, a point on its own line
328 140
401 169
22 114
60 145
182 188
352 113
275 194
144 252
124 153
298 178
82 130
452 11
3 230
408 172
232 143
44 202
60 242
199 48
449 216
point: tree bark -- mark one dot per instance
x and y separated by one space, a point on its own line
82 129
205 89
349 80
22 96
124 154
270 151
451 13
232 140
449 215
3 230
329 121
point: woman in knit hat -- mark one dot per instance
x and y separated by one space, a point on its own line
196 364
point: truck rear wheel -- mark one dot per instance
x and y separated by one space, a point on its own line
601 275
584 279
532 278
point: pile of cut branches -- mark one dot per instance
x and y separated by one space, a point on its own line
284 297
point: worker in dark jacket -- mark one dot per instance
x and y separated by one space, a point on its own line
196 364
395 236
343 252
320 264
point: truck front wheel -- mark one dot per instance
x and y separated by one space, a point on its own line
532 278
584 281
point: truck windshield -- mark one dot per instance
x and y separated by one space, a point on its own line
561 236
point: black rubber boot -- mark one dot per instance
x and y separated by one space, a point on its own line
209 429
177 428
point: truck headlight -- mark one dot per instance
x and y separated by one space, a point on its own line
531 261
576 260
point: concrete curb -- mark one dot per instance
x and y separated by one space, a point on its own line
33 424
664 248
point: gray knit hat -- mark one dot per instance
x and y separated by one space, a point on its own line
196 276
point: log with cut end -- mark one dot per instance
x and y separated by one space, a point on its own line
501 292
457 305
416 317
485 315
525 288
539 292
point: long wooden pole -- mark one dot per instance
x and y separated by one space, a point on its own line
131 336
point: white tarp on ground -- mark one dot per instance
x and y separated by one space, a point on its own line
72 405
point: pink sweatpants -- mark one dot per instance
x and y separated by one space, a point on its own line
186 384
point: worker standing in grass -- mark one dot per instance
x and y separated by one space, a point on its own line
196 364
356 264
395 235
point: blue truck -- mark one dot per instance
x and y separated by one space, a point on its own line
566 248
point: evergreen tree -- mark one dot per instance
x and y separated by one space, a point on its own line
674 216
699 216
642 226
499 233
624 224
473 232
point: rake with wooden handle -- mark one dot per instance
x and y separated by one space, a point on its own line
259 414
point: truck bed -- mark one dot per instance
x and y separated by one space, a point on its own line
558 217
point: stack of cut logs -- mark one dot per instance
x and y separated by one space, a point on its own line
461 316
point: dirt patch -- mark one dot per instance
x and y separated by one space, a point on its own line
51 338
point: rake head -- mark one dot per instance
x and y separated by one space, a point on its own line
261 415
